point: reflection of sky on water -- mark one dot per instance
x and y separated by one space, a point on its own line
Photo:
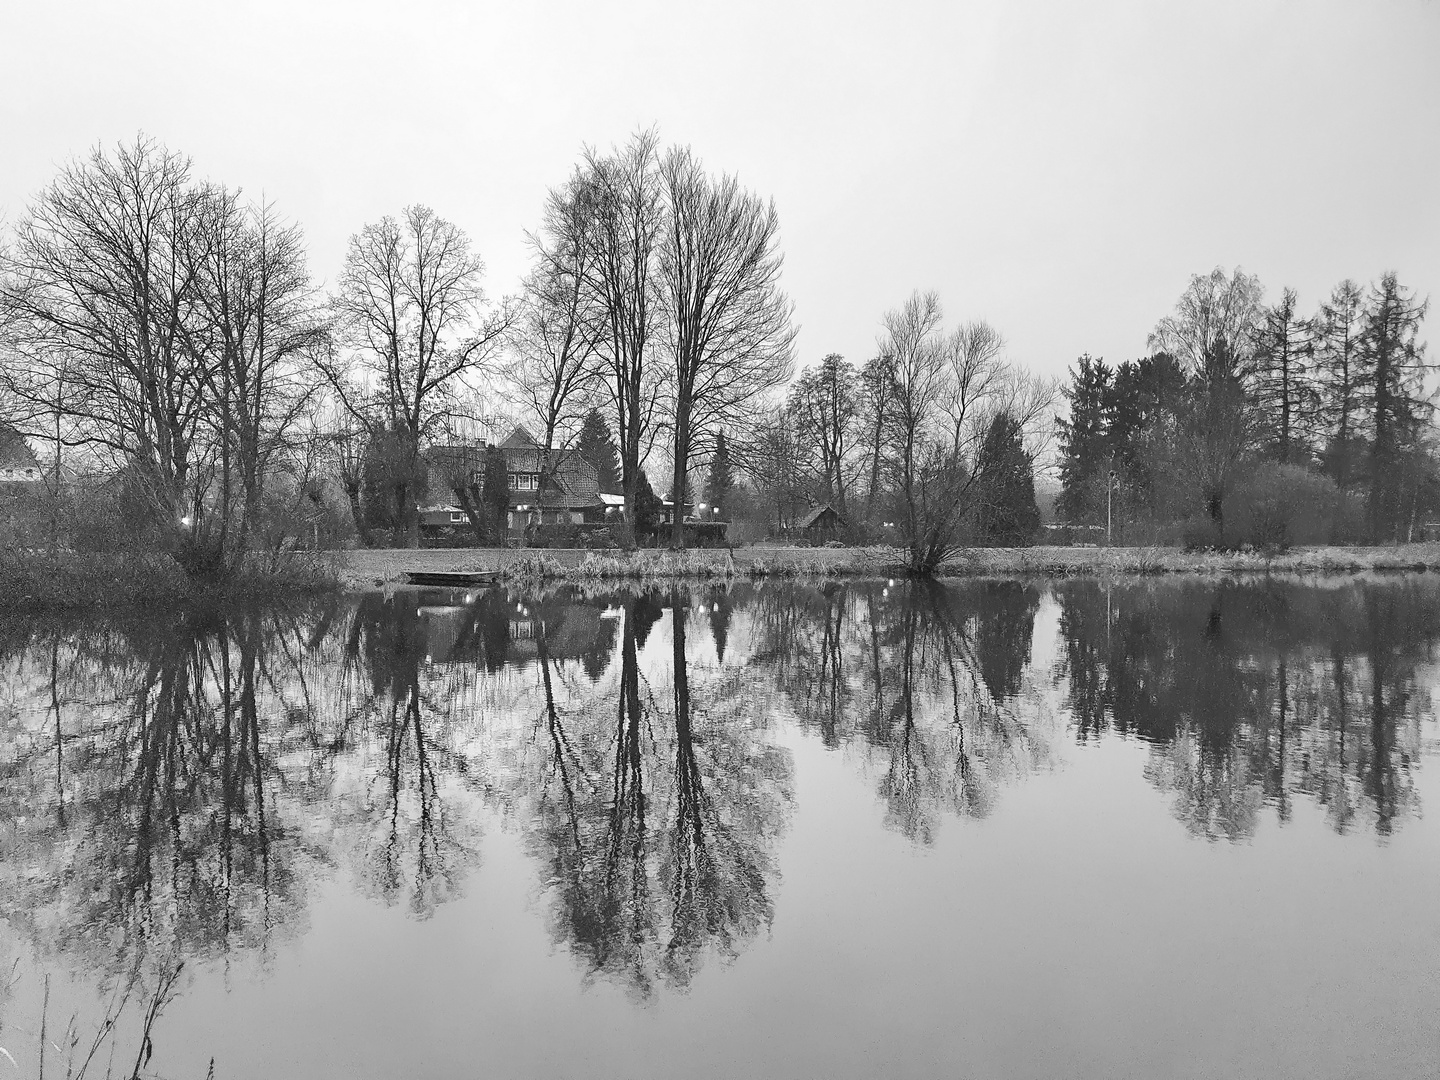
324 807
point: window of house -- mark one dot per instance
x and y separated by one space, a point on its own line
457 518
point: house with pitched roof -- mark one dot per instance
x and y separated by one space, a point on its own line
564 490
18 463
567 492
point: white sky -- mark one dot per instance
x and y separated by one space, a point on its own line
1057 168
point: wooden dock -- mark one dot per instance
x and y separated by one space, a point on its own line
453 579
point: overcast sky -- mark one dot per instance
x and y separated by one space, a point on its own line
1059 169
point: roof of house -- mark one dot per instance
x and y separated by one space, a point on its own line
572 482
15 452
816 514
519 438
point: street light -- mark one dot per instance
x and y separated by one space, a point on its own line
1109 496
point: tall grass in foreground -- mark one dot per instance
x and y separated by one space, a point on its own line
75 1053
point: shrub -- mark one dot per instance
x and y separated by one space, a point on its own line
1278 506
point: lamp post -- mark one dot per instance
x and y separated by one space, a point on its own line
1109 499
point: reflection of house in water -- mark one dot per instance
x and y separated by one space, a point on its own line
488 628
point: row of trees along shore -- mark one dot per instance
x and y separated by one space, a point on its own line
1252 422
163 331
163 337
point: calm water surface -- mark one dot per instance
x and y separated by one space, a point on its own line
995 829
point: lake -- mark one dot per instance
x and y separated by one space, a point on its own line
1152 828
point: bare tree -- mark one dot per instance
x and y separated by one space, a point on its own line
770 456
1214 434
1282 381
1215 307
728 321
103 289
619 200
414 324
345 440
1336 336
972 376
948 389
262 326
877 399
823 407
1394 370
557 333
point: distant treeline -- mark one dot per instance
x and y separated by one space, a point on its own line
1256 424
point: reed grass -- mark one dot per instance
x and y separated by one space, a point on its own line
69 581
367 569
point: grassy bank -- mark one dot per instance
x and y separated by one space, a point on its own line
74 581
367 569
1077 561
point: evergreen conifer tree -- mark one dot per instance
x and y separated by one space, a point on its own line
1008 515
648 507
721 481
495 494
1084 437
597 446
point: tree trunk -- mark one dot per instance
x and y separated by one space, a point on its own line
352 493
682 472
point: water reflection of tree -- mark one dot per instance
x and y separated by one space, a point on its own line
926 677
402 716
1253 693
142 799
657 825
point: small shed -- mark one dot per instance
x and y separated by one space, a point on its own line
822 523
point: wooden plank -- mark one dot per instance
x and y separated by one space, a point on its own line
459 579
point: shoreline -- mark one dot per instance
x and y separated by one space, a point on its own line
74 582
364 569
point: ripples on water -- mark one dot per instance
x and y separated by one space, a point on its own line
255 791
